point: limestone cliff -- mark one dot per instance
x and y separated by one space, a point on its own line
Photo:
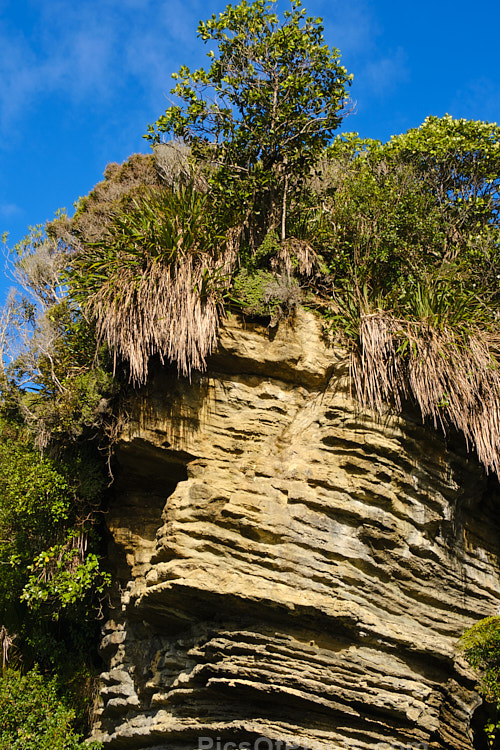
291 567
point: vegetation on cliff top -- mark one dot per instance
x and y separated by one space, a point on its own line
254 207
261 114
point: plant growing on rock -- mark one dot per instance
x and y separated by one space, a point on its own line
153 284
155 279
262 113
410 237
481 647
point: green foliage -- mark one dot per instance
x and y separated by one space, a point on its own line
413 224
383 225
249 291
423 205
459 161
481 647
35 497
52 585
158 227
61 577
55 393
277 93
79 408
34 717
46 534
410 239
260 293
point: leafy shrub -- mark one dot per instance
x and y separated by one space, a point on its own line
64 575
34 717
481 647
264 294
410 237
48 548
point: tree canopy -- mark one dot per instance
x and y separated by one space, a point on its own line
264 110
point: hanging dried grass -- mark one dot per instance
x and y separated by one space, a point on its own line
451 374
6 643
154 287
294 254
160 313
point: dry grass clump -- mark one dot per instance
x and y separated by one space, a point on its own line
174 166
172 162
452 375
154 284
294 255
161 313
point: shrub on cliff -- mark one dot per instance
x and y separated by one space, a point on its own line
34 717
52 582
396 243
155 282
411 238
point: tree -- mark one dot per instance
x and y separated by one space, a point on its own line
458 163
277 94
426 199
459 160
48 546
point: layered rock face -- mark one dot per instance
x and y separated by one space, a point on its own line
291 569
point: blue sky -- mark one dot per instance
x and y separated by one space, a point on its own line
80 81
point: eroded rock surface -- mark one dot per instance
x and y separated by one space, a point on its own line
291 567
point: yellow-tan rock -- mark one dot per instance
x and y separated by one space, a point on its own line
289 566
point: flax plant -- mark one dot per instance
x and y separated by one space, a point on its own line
154 284
438 349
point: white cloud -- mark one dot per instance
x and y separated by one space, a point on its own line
10 210
381 76
79 50
93 52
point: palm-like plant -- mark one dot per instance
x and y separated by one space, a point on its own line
153 284
437 347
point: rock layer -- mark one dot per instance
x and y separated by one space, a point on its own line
291 567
